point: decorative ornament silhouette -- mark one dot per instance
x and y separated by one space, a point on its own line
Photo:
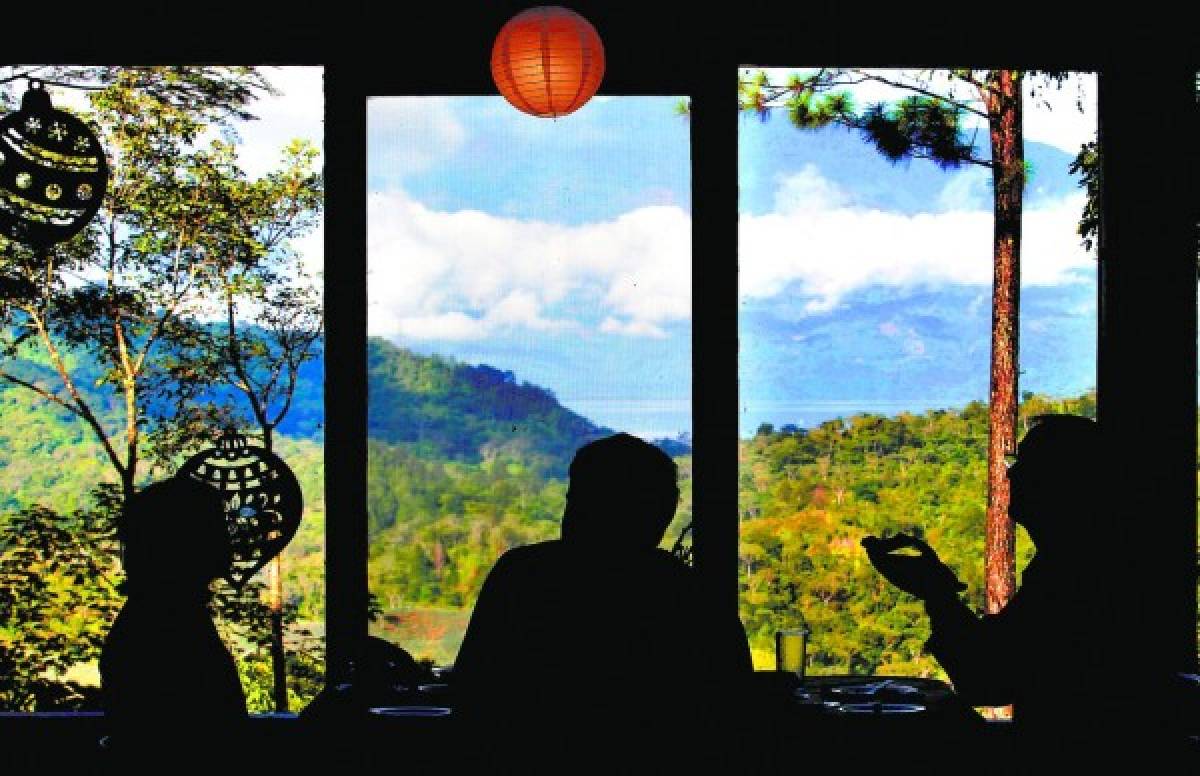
53 173
263 501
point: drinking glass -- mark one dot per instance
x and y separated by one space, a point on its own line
791 651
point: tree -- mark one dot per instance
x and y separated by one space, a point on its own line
928 125
127 289
272 311
131 292
58 596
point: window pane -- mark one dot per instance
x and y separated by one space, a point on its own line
123 342
864 322
529 286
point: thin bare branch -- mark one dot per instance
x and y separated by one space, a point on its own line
40 391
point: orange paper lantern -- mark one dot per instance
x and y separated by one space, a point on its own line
548 61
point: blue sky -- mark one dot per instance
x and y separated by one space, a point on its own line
557 249
865 285
561 250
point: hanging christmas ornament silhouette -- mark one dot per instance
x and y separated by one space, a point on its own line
263 502
52 172
548 61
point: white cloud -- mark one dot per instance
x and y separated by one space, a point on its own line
806 190
311 249
410 134
522 308
969 189
467 274
829 250
299 112
611 325
442 326
1062 117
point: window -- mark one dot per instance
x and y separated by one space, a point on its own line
664 53
864 324
118 366
528 291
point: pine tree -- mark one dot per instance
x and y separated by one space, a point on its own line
928 124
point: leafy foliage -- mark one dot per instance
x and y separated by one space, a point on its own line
808 496
58 598
109 329
1087 165
924 125
129 289
244 621
437 523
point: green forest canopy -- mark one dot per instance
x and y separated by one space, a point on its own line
440 511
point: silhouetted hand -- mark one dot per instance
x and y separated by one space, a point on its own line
923 575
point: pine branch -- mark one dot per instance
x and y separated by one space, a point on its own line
931 94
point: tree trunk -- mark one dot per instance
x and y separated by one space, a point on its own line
1003 96
278 656
275 603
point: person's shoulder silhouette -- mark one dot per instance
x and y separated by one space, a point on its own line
1049 651
166 677
600 635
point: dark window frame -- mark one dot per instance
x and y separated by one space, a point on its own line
1150 210
711 86
710 83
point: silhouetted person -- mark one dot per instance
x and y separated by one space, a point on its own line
170 687
1051 651
595 652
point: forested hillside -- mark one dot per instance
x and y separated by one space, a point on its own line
439 408
443 505
808 496
469 462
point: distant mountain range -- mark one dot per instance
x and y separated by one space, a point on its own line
458 411
433 405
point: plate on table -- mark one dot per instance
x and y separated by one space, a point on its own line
882 687
435 687
879 708
410 711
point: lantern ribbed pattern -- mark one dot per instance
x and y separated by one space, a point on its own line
548 61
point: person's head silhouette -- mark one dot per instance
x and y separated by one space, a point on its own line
623 494
174 537
1056 474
